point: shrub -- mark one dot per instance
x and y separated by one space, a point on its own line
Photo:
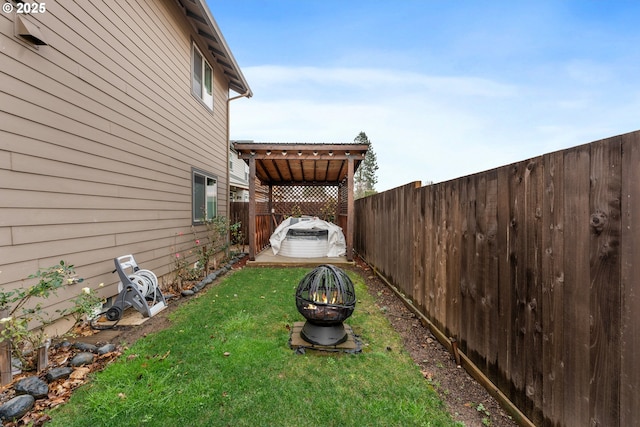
24 307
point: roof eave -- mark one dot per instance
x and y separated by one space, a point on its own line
206 28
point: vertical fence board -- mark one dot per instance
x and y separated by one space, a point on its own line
441 257
379 238
630 320
473 279
393 234
517 266
430 248
452 303
491 284
505 291
417 207
426 261
604 223
385 231
576 287
482 272
552 289
467 250
408 241
400 244
533 180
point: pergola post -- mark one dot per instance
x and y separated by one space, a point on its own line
252 208
350 208
272 226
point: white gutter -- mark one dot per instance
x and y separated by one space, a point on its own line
247 94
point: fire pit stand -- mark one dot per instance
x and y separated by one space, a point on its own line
325 297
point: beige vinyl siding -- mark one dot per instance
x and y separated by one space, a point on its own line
99 132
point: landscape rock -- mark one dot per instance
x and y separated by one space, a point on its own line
187 293
63 344
83 358
16 407
33 386
207 280
107 348
82 346
58 373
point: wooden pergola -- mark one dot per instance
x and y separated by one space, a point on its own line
303 165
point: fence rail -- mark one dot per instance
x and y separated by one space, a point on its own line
534 268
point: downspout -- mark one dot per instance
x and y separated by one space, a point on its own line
247 94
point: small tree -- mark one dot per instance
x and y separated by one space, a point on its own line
365 178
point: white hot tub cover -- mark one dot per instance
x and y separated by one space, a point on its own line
337 242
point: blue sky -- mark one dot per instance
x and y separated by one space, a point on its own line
442 88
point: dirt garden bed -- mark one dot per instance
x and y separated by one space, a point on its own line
465 398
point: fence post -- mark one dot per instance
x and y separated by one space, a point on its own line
43 356
5 354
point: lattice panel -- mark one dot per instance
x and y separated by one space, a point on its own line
320 201
344 200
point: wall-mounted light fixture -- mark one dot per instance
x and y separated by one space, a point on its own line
284 152
315 152
268 152
347 153
299 153
331 152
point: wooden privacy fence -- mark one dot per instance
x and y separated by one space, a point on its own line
534 268
239 212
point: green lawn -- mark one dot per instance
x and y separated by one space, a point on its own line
226 362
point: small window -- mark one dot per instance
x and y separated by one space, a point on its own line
202 78
205 197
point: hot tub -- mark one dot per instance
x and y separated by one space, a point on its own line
305 243
307 237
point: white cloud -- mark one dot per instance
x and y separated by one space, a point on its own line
423 127
270 78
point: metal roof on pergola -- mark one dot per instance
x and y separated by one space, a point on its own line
295 164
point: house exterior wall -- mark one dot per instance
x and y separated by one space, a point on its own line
238 177
99 132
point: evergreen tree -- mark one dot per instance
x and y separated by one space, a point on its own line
365 178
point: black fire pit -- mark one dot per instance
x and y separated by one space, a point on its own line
325 297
